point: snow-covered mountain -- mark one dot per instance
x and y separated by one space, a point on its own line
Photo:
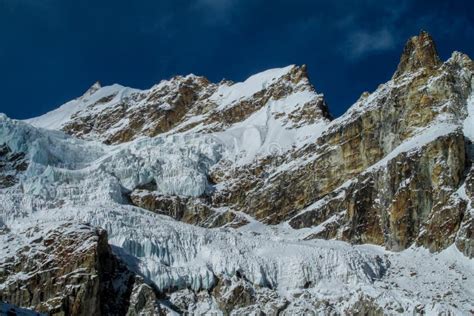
245 198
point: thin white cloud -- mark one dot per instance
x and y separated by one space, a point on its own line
363 43
380 35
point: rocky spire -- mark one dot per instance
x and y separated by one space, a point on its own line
420 51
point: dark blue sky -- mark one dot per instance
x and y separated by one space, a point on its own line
51 51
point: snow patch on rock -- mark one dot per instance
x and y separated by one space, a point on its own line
227 95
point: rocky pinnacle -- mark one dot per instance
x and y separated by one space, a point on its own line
419 52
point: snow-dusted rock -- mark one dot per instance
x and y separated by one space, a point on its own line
63 268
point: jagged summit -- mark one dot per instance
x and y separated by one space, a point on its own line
420 51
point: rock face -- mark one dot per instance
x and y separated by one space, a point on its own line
143 299
11 165
70 270
465 236
220 197
196 211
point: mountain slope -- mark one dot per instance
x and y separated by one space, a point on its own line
270 204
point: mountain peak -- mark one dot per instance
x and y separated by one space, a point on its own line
420 51
96 86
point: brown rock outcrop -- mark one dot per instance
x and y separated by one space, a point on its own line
196 211
420 52
69 271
